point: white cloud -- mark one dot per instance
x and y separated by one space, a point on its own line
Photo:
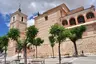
92 2
30 22
7 24
31 6
6 18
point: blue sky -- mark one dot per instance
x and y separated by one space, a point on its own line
5 20
31 7
3 26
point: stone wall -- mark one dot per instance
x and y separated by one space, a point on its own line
44 25
87 44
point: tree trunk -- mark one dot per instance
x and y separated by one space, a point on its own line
25 54
75 47
5 54
59 53
18 55
36 51
53 51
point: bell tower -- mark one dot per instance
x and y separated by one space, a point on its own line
18 20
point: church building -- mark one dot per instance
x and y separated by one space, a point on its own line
69 19
65 17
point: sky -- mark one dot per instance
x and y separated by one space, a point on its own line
31 7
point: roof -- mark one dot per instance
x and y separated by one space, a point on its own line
18 12
76 10
60 7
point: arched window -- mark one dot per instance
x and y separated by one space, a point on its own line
64 22
90 15
81 19
72 21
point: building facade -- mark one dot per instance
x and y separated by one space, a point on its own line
18 20
69 19
65 17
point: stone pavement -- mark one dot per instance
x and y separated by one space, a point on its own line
74 60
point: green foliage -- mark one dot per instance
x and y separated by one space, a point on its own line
4 40
14 34
76 33
4 44
1 42
31 32
59 32
52 41
1 45
56 29
37 41
19 45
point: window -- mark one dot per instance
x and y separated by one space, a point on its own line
22 19
72 21
16 50
81 19
90 15
13 18
46 17
64 22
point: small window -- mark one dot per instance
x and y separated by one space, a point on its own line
13 18
22 19
16 50
46 17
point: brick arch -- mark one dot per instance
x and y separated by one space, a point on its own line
64 22
81 19
90 15
72 21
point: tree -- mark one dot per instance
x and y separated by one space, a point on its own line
4 41
19 47
1 46
52 43
59 33
14 34
30 35
37 42
75 34
31 32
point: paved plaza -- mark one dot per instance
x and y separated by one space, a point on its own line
74 60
